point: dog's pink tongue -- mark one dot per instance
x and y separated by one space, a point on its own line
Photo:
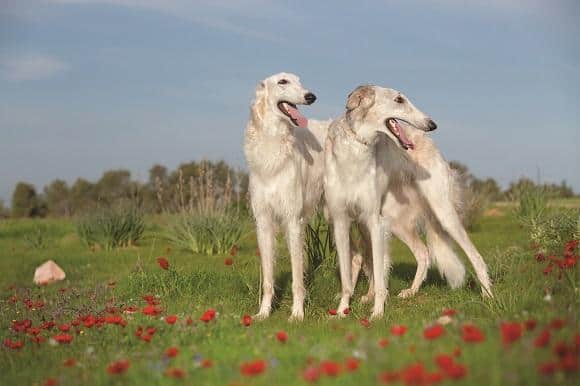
299 118
403 137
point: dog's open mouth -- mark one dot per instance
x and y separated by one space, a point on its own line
393 124
291 111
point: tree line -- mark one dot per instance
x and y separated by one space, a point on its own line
168 191
164 190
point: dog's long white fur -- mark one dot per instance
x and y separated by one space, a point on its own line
286 166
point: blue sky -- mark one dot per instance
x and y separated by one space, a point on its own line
90 85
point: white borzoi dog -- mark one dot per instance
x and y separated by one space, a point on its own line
285 157
356 177
422 192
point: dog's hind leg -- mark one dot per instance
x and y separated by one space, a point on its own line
294 240
447 215
341 237
408 234
266 232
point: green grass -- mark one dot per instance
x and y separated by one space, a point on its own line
197 282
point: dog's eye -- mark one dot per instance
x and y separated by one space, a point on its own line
282 81
399 99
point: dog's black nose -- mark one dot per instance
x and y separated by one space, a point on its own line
432 125
310 98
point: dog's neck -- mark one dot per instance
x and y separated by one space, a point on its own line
270 123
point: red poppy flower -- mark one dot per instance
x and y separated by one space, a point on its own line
569 363
449 312
332 312
14 345
365 323
351 364
151 330
543 339
530 324
228 261
282 336
206 364
346 311
234 250
557 324
330 368
21 325
389 376
63 338
510 332
252 368
456 371
547 368
175 372
151 300
189 321
33 331
399 330
163 262
49 324
311 374
208 315
561 349
247 320
118 367
38 339
151 310
444 361
171 352
433 332
472 334
51 382
414 374
383 342
171 319
139 331
70 362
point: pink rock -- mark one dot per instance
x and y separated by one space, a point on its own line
47 273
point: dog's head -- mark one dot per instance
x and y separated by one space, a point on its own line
371 109
280 94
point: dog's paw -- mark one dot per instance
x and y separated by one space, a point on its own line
407 293
296 317
262 315
365 299
377 314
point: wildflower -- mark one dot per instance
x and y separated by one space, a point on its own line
311 374
365 323
510 332
171 352
449 312
208 315
351 364
234 250
282 336
118 367
557 324
163 262
332 312
171 319
70 362
547 368
247 320
346 311
14 345
174 372
252 368
330 368
398 330
206 363
472 334
151 310
543 339
530 324
383 342
51 382
228 261
63 338
433 332
389 376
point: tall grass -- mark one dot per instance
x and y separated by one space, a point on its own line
111 228
207 223
532 205
319 246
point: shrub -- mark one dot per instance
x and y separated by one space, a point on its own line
37 238
111 228
473 205
532 205
549 233
209 234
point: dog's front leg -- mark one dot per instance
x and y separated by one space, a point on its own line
265 229
294 240
341 238
375 228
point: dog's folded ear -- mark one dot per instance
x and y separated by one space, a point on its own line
362 96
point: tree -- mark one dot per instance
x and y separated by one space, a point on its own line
82 195
57 195
25 202
115 185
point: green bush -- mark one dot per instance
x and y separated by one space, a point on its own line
551 232
111 228
532 205
210 234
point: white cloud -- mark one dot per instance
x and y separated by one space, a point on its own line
31 67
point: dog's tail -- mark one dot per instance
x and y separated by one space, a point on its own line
441 252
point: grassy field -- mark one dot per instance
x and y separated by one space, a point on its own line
101 283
